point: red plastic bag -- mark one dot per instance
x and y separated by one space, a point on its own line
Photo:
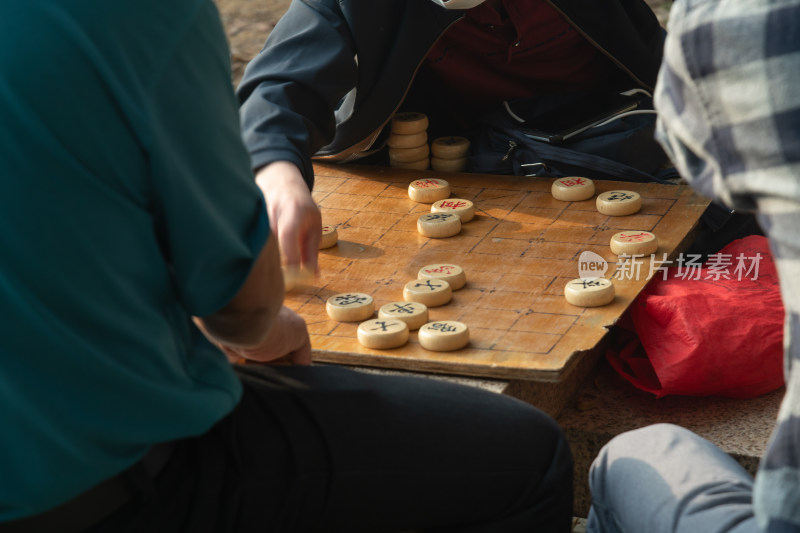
707 336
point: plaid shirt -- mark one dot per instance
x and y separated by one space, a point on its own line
728 99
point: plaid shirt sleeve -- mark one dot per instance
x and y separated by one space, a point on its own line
728 99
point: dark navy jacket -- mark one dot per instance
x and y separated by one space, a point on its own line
333 72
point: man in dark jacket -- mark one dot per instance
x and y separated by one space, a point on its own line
333 73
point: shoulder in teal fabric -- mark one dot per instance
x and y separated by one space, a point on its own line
127 206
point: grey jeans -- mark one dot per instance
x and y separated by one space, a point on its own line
664 478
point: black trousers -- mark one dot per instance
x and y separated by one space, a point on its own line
330 449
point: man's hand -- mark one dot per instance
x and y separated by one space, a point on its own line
287 340
294 217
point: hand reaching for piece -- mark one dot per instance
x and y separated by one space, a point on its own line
294 217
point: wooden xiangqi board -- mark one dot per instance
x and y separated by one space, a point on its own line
518 252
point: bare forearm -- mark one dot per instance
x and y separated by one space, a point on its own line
246 320
295 218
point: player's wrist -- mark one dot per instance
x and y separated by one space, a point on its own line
280 174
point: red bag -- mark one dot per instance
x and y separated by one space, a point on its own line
707 336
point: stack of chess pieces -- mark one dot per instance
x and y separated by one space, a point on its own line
409 148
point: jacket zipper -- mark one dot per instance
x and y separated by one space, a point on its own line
600 48
511 147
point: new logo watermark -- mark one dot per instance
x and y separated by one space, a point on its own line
688 266
591 265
